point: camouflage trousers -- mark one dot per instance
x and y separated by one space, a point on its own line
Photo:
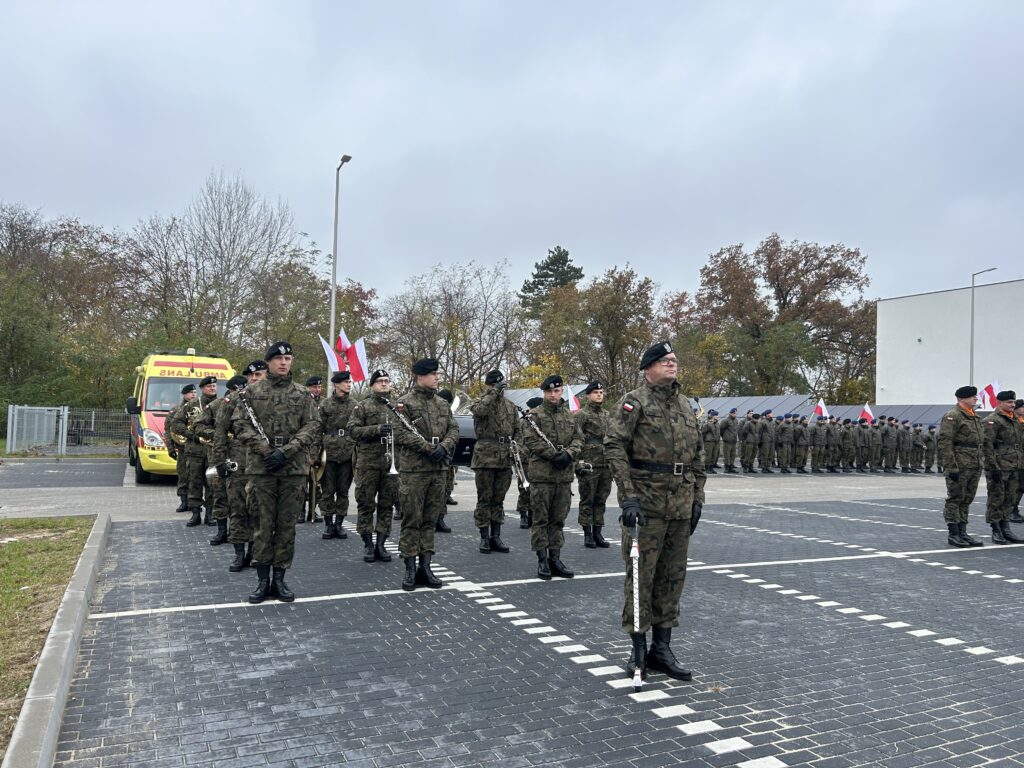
863 456
219 494
491 487
276 502
663 546
875 457
181 464
198 491
832 456
594 490
959 495
748 452
711 453
523 501
889 457
817 454
336 481
422 495
785 454
376 492
765 454
849 457
905 458
929 458
729 452
549 506
241 516
1002 494
916 456
449 482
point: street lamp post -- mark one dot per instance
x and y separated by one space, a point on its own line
970 381
334 247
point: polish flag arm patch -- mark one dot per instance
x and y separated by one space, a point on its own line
627 407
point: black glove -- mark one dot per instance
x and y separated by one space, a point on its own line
995 475
562 460
384 430
695 515
954 476
222 470
172 451
439 454
275 460
632 515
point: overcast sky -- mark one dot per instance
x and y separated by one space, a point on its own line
652 133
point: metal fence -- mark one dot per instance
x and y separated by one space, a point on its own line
66 431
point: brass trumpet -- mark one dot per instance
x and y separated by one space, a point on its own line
389 450
231 465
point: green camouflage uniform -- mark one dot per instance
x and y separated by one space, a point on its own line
597 485
550 488
784 443
930 449
765 442
816 439
180 464
711 436
653 427
339 444
961 443
917 449
833 444
749 436
241 519
904 446
494 419
862 441
195 452
376 488
801 441
888 446
1001 451
206 429
848 446
421 482
290 419
729 431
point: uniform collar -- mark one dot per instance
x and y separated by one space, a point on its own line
278 380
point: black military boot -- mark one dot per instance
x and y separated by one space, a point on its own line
660 657
816 472
524 519
239 562
183 506
955 539
329 530
801 471
1015 516
785 471
284 594
558 568
767 471
222 533
997 534
497 544
398 512
485 540
1008 533
339 529
409 582
588 537
928 471
599 539
426 576
196 519
262 591
543 571
379 552
248 555
450 500
208 519
711 470
639 644
962 527
368 556
905 470
440 526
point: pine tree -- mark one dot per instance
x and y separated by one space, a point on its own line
555 271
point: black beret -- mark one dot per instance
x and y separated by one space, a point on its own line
594 386
965 392
446 395
313 381
712 412
494 377
1019 404
862 421
906 421
732 410
654 354
188 388
533 402
339 376
767 413
755 415
822 418
207 380
256 365
1006 394
236 381
425 366
278 348
931 426
380 373
846 421
551 382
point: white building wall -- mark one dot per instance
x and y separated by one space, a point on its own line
924 343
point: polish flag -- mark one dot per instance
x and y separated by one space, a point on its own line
574 403
355 356
865 412
335 362
342 343
820 409
987 396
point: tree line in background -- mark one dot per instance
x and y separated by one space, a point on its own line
80 306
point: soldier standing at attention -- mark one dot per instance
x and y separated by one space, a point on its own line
784 443
917 450
765 442
749 437
186 420
832 444
930 448
226 447
174 416
801 440
494 419
596 485
337 441
426 450
905 445
315 387
961 443
255 371
888 444
1018 410
816 437
551 460
729 431
277 464
523 499
654 448
862 442
207 430
449 480
712 436
1001 452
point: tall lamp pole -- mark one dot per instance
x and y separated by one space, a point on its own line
334 248
970 381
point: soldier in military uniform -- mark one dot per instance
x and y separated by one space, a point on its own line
1001 456
277 464
205 429
188 394
917 449
449 479
226 447
551 471
337 441
784 443
712 437
494 420
904 446
595 485
1018 410
523 499
930 449
654 448
888 444
372 427
961 445
816 438
184 423
765 442
729 431
426 450
801 442
862 443
749 438
255 371
315 387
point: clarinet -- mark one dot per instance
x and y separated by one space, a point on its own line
252 417
528 418
404 421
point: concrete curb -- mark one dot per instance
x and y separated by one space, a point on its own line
34 741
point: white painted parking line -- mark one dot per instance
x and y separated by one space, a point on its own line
592 658
701 726
950 641
677 710
603 671
763 762
651 695
734 744
921 633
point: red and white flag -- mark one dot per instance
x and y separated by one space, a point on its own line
865 412
355 357
342 343
335 362
987 395
820 409
574 402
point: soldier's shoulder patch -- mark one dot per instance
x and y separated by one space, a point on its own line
628 407
950 418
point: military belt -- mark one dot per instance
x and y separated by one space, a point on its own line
280 441
965 445
500 440
679 468
340 432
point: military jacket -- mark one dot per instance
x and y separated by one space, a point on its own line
709 433
800 436
729 429
654 424
832 437
205 427
433 422
875 437
816 435
888 436
749 432
364 424
904 439
593 422
168 420
334 425
847 438
494 419
961 441
225 447
289 418
187 417
1002 441
863 438
765 432
559 426
784 433
931 441
918 439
